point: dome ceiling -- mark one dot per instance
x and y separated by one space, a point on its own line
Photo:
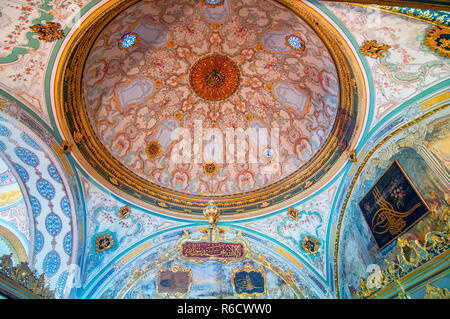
170 87
228 67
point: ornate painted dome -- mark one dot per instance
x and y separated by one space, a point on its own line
253 90
227 68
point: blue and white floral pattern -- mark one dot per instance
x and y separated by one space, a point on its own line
128 40
68 243
53 224
38 242
45 188
35 206
22 172
61 284
65 206
51 263
27 156
54 173
4 131
27 139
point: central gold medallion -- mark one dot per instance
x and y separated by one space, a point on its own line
214 77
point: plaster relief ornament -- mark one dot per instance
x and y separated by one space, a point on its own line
104 242
310 245
438 40
373 49
124 211
49 32
293 213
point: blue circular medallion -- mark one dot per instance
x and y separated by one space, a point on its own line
268 153
295 42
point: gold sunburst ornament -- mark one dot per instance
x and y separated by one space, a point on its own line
153 149
438 40
214 77
210 168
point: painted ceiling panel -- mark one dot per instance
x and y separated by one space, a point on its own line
92 241
407 68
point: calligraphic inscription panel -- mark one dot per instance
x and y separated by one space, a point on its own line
248 282
212 250
392 206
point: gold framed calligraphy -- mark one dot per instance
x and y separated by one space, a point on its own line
213 245
392 205
248 282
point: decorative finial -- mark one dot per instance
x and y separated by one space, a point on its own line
212 213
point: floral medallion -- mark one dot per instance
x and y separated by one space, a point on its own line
214 77
153 149
210 168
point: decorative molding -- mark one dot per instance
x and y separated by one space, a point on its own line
438 40
410 256
436 293
23 276
124 211
431 5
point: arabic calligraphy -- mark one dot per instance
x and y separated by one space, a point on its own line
244 284
386 218
248 281
392 205
208 250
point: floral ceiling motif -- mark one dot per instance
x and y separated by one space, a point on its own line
275 74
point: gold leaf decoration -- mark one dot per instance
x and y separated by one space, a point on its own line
49 32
